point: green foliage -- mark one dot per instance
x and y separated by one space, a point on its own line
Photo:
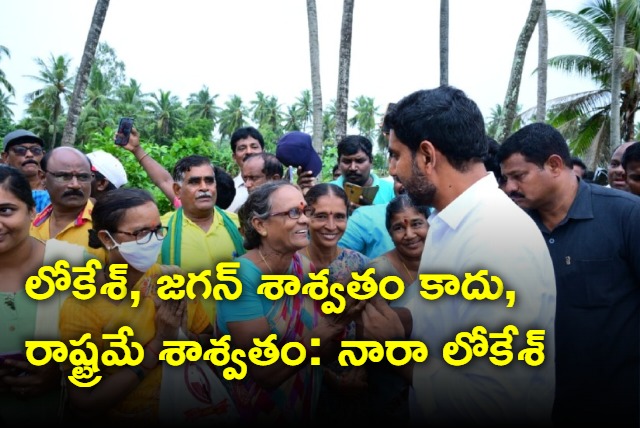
380 164
329 159
167 156
169 129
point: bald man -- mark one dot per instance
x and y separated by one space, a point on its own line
68 179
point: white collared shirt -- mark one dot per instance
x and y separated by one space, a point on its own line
241 194
484 229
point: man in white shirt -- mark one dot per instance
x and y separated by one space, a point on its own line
437 144
244 141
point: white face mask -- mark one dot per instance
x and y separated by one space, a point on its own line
140 256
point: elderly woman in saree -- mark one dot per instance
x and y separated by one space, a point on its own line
276 225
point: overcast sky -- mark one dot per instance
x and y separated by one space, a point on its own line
243 46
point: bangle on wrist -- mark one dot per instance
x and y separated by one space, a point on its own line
138 371
143 156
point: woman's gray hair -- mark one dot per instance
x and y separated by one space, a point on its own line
258 205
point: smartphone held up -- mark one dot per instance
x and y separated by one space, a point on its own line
124 130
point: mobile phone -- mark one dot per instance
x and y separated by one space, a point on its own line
124 130
354 192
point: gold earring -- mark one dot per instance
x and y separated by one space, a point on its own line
263 233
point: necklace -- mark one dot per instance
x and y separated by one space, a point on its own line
265 261
411 277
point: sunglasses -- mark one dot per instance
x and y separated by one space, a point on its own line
22 150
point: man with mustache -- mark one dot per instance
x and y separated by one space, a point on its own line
355 159
592 233
437 145
200 235
23 150
68 178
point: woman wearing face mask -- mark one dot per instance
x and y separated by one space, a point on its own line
126 222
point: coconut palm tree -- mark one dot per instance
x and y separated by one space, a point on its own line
168 113
130 100
513 88
316 89
497 116
52 97
272 116
98 109
304 108
5 102
233 116
258 108
329 120
202 105
589 111
543 49
291 120
342 99
366 116
444 42
3 77
82 78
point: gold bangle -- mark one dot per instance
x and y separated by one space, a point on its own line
143 156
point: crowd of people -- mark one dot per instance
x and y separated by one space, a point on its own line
550 336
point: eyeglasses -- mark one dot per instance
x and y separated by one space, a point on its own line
143 236
22 150
66 177
294 213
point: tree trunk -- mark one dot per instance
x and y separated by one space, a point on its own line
444 42
513 90
314 51
616 71
543 50
82 79
342 99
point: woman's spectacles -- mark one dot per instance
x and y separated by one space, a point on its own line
22 150
143 236
66 177
294 213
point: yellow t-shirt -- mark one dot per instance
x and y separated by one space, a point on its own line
100 315
202 250
76 232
